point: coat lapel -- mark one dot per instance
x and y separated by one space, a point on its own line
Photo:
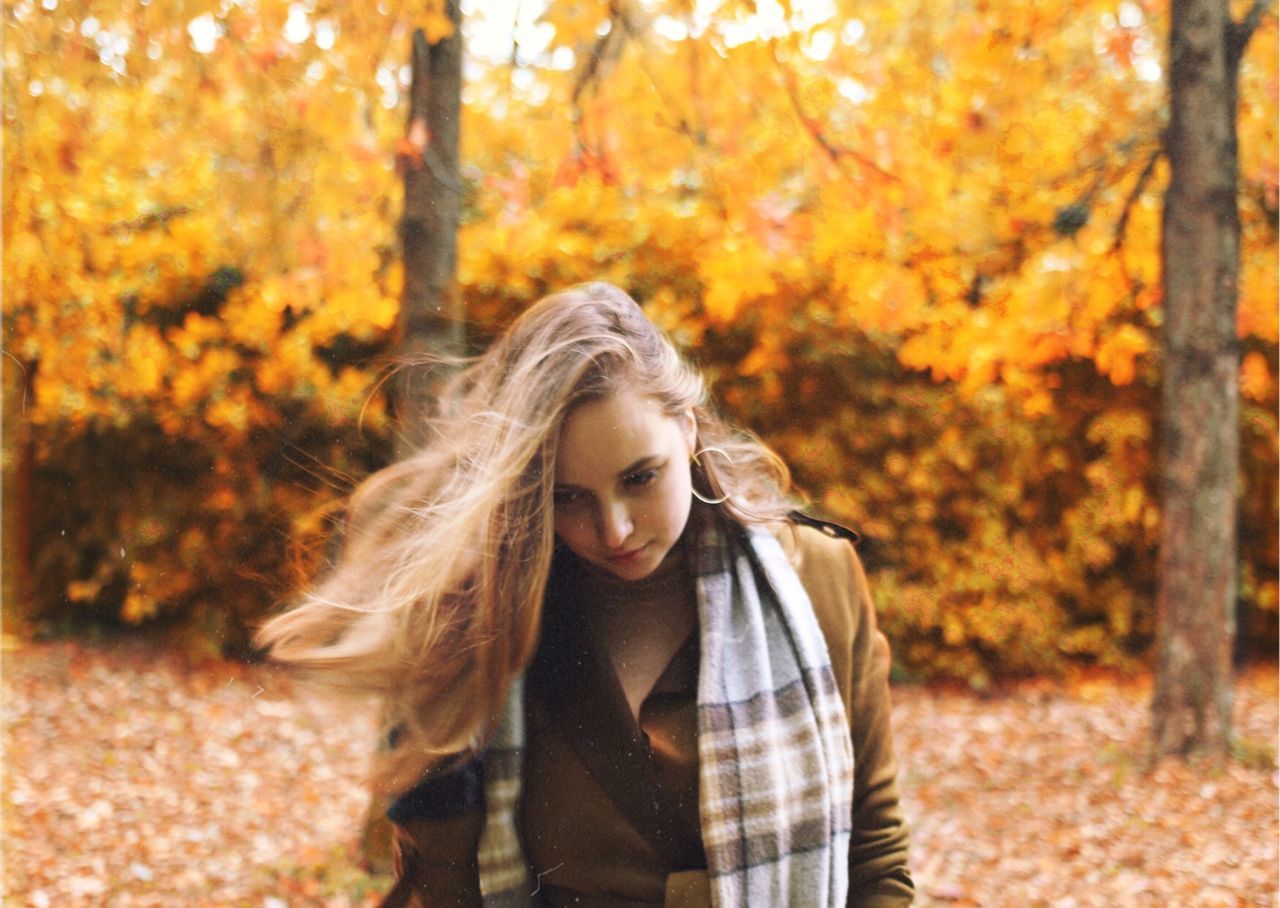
580 692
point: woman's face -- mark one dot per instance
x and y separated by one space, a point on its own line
623 485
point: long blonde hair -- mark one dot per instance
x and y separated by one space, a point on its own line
435 600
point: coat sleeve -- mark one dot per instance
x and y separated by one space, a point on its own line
833 576
878 874
437 826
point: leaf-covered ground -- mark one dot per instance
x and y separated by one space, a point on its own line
135 779
1043 797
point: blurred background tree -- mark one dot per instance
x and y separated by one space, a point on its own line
1200 439
915 246
431 323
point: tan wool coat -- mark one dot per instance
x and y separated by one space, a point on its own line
437 857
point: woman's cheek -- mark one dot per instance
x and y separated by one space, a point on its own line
571 529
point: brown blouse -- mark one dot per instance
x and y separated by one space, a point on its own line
587 753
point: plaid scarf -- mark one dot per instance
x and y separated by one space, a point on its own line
776 763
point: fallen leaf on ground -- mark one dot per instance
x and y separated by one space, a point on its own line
135 779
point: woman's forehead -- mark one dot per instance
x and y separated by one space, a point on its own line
603 437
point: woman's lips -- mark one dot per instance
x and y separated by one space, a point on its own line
624 557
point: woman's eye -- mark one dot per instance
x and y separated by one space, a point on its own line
640 478
563 498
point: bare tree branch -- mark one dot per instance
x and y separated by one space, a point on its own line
607 48
814 130
1239 33
1134 194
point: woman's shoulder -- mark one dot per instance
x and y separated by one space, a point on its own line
828 567
814 544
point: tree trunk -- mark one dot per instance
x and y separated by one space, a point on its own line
1196 589
19 464
431 313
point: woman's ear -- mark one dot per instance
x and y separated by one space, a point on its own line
690 425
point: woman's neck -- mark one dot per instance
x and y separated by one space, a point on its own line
639 624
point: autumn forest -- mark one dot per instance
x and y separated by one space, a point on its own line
918 247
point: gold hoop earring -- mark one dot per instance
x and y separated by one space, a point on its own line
694 458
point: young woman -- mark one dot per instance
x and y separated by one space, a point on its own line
618 667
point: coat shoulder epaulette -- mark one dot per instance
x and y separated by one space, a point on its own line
826 527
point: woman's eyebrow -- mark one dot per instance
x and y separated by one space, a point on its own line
649 461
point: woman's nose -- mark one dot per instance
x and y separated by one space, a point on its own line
615 525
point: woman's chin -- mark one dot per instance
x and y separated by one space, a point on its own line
635 565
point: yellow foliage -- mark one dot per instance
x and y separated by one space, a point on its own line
1258 313
732 276
228 413
1256 381
138 607
145 364
384 312
200 240
1118 351
434 22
